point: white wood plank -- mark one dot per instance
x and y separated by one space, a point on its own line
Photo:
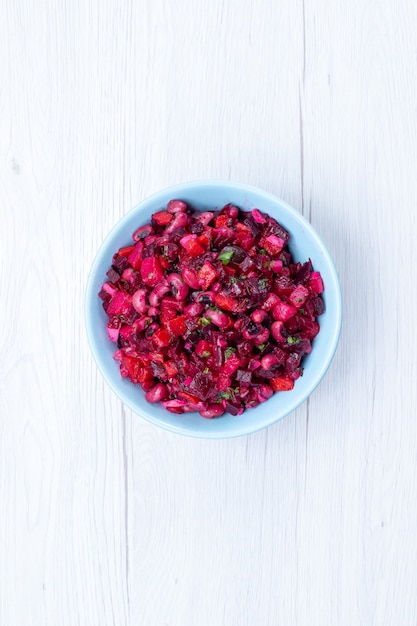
105 519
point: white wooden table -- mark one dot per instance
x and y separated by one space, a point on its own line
105 519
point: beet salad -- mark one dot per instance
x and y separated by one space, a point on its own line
209 311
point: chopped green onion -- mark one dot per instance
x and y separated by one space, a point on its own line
226 256
205 354
293 340
204 321
229 352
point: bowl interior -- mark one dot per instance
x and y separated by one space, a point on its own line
304 244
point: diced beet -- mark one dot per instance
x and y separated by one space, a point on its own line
232 407
176 326
113 275
223 381
110 289
298 297
126 250
222 220
204 348
207 275
243 376
280 355
161 338
202 385
292 362
272 244
281 383
246 242
167 313
190 278
303 274
258 217
135 257
292 326
244 348
295 374
120 304
136 370
318 305
197 228
276 266
276 229
283 286
171 369
226 302
191 244
270 301
316 282
120 263
151 271
162 218
308 309
104 295
254 226
283 311
231 364
113 333
309 328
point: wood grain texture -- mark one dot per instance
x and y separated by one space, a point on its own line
105 519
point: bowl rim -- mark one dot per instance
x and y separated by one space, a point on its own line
234 431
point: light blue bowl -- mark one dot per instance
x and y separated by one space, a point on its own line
304 244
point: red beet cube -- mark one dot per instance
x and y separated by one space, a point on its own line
177 326
281 383
151 271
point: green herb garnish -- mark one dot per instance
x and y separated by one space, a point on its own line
205 354
204 321
293 340
229 352
226 256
